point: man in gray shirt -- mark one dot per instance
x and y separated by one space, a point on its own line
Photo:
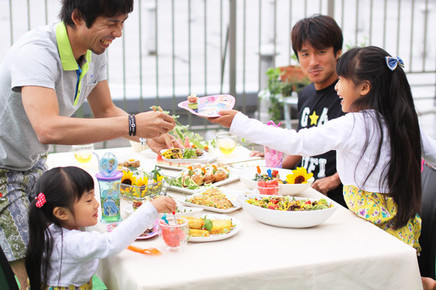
45 78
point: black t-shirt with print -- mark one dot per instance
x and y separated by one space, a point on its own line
315 108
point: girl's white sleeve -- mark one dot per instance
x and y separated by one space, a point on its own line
91 245
306 142
428 149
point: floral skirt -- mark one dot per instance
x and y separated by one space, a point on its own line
381 209
87 286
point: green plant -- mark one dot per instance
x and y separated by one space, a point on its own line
274 88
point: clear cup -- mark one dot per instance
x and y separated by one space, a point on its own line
268 187
273 158
83 153
226 142
174 236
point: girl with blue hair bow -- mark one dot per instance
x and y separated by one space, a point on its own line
378 142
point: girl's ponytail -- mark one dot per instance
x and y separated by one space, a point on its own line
40 246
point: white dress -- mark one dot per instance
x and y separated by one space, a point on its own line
76 253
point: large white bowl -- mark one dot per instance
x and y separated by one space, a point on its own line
287 219
247 175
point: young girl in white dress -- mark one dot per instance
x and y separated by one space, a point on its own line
61 256
378 142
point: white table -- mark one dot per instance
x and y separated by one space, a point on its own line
345 252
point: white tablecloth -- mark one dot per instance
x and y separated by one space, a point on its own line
345 252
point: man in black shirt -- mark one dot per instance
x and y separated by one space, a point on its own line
317 43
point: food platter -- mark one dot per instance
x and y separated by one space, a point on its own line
209 106
230 194
287 219
232 178
212 238
205 158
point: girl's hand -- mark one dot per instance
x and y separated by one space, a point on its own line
225 119
164 204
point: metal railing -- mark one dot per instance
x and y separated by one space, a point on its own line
171 48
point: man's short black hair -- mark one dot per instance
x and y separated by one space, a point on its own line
91 9
320 31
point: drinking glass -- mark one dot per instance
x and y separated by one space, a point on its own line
226 142
83 153
175 234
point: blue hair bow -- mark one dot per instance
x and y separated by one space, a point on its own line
393 62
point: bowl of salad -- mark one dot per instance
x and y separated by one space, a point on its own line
287 211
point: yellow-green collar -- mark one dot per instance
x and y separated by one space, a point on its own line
65 50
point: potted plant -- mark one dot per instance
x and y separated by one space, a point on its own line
282 81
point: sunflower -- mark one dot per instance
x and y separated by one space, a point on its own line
128 178
298 175
140 181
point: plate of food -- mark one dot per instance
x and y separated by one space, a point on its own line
214 199
212 227
208 106
291 182
187 155
202 176
287 211
149 233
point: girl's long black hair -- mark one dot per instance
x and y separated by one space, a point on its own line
62 186
391 97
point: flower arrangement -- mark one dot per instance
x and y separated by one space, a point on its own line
138 184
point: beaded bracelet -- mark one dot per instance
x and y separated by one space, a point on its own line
132 125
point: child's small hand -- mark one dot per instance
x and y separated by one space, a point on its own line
225 119
164 204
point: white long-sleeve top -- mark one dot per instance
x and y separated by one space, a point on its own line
81 250
347 135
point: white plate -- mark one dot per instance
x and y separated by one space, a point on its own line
187 211
205 158
247 175
229 193
287 219
209 106
232 178
211 238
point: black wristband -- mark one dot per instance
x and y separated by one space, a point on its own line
132 125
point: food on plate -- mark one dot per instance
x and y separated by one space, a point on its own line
195 222
130 163
204 227
212 197
173 153
269 175
221 227
193 102
198 175
187 153
286 203
199 233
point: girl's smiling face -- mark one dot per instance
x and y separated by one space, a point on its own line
349 92
85 212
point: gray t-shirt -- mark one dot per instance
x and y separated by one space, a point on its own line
42 57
